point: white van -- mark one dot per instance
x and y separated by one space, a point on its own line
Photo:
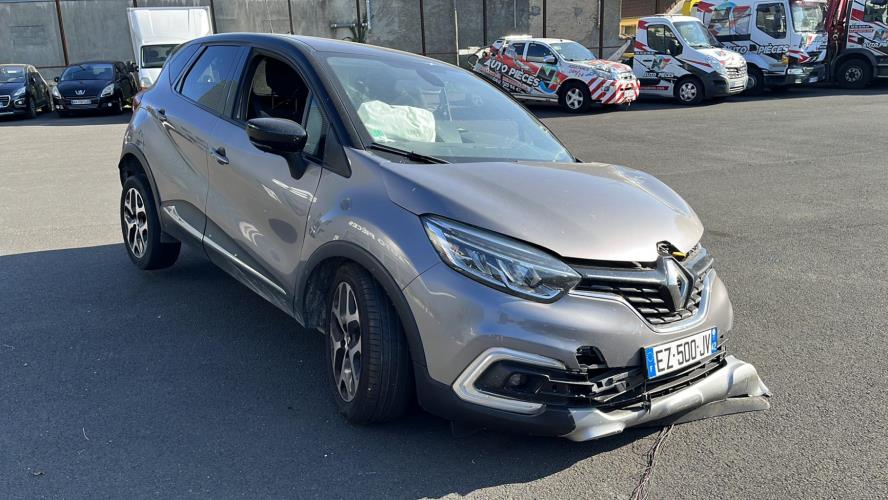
675 56
156 31
783 41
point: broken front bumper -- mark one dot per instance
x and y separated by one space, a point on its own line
733 388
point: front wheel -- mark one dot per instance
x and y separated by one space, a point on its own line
854 74
368 363
575 98
755 83
141 227
689 91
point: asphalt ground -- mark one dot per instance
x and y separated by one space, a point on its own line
115 383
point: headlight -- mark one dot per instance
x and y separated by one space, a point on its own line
500 262
716 64
107 90
19 92
55 92
144 82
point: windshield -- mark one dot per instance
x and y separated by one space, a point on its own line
438 110
572 51
88 72
12 74
696 35
808 16
153 56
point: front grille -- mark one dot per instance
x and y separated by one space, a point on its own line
646 286
4 101
733 73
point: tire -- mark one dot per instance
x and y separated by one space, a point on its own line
575 98
141 227
756 83
48 107
689 91
854 74
372 383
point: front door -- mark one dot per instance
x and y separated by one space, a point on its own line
654 62
257 208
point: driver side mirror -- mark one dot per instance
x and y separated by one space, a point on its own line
675 49
131 67
549 59
281 137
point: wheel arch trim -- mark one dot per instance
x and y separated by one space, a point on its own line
350 251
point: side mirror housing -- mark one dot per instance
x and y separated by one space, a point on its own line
281 137
549 59
676 49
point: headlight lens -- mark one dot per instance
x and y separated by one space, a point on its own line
19 92
500 262
144 82
55 92
107 90
716 64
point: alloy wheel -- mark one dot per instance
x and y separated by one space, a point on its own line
135 217
345 341
688 92
574 98
853 74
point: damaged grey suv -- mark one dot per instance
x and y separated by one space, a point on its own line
448 246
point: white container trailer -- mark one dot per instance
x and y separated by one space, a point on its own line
157 31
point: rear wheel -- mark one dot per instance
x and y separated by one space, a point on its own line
575 98
854 74
368 363
755 84
139 222
689 91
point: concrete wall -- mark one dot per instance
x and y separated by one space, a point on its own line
97 29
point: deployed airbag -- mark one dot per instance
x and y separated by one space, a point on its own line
387 123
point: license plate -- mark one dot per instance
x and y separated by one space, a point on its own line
80 101
671 356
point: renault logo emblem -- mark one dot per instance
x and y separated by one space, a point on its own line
678 284
80 91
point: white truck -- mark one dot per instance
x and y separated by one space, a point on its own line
675 56
157 31
784 41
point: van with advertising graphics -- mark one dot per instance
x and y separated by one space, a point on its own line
858 50
157 31
556 70
675 56
783 41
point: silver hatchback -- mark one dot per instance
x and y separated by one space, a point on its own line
448 246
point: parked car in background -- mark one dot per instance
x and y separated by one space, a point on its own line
23 91
783 41
675 56
439 236
94 86
556 70
858 48
156 31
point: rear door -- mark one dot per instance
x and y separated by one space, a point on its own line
257 207
185 116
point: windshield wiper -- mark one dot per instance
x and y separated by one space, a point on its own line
410 155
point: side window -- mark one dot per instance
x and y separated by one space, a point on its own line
536 52
662 40
729 22
208 80
876 11
515 49
316 129
770 18
177 61
276 91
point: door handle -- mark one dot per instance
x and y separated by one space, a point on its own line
219 155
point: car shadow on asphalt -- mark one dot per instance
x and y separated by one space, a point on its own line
183 379
52 119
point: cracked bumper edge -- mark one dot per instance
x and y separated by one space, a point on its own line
734 388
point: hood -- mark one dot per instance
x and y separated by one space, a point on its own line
578 210
9 88
91 88
601 64
726 57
